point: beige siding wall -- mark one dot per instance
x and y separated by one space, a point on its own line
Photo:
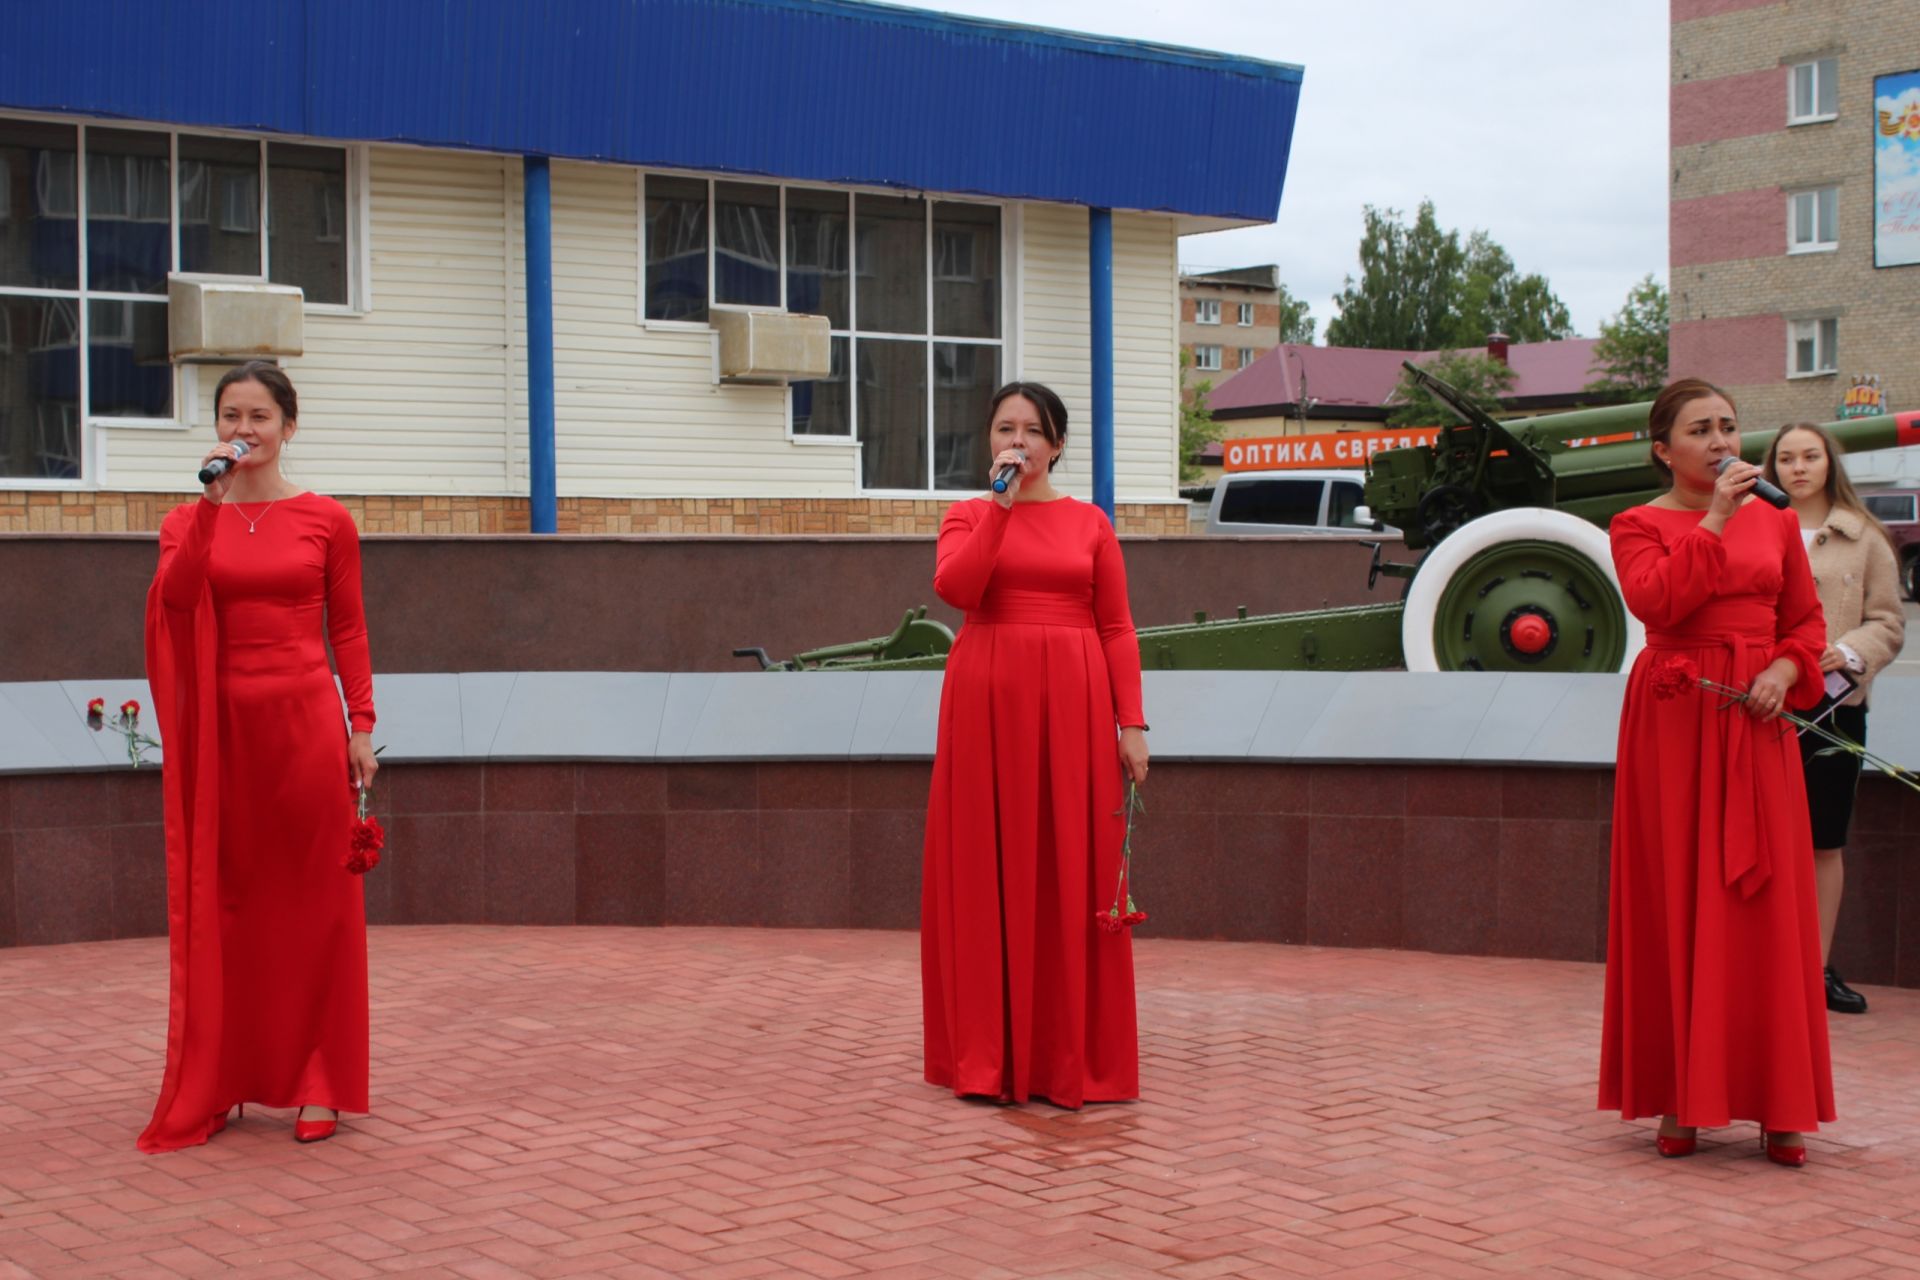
638 412
1053 287
426 392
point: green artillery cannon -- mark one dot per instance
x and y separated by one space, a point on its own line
1517 573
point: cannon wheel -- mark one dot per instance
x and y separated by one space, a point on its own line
1526 589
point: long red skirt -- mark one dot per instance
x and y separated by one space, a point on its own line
1024 995
1715 1009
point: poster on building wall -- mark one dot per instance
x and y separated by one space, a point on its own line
1896 170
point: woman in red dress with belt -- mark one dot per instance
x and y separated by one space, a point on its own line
1715 1006
1040 723
267 931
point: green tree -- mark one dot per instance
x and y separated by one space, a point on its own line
1631 356
1421 289
1496 298
1296 318
1480 378
1408 278
1197 427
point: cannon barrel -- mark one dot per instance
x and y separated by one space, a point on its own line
1599 481
1591 463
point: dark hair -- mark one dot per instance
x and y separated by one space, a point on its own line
1666 411
267 374
1053 413
1840 491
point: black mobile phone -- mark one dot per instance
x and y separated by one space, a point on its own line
1840 687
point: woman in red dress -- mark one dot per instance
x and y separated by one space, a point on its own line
266 927
1040 725
1715 1007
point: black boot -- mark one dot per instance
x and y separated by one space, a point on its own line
1842 998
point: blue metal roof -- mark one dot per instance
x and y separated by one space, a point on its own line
823 90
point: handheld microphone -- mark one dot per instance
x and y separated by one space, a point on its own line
1769 493
1003 478
220 466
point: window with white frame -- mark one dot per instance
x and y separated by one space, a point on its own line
1813 346
1246 315
88 246
1813 222
1247 356
1206 311
917 335
1813 92
1206 357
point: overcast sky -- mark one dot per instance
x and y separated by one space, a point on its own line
1542 121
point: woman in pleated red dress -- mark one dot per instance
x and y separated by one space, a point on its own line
1715 1006
266 927
1040 725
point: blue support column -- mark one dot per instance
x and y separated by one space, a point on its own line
543 495
1100 334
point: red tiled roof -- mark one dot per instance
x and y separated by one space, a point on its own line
1362 377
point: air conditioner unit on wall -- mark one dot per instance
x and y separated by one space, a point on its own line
772 346
227 318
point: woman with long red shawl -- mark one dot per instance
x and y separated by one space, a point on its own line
266 926
1715 1005
1040 713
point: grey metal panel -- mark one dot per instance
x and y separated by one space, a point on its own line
1893 719
23 748
581 715
111 746
917 732
1520 709
687 695
883 701
483 701
62 724
1205 714
1584 728
419 718
1428 715
1299 700
793 717
1365 717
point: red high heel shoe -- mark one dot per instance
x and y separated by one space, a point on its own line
1780 1153
314 1130
1673 1145
220 1121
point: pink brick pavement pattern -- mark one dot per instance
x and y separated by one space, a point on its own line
734 1103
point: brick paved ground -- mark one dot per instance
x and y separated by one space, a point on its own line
738 1103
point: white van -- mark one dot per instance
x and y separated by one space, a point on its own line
1259 502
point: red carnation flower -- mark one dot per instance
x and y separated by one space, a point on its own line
364 845
130 709
97 707
1674 677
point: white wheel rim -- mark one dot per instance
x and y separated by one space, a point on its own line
1518 524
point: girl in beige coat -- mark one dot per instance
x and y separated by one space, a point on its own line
1859 580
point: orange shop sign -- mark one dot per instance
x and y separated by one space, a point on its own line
1326 449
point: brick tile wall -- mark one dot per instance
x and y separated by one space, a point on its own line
103 511
1734 351
1739 224
1736 106
1470 860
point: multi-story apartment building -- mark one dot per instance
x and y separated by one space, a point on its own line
1228 319
1795 206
